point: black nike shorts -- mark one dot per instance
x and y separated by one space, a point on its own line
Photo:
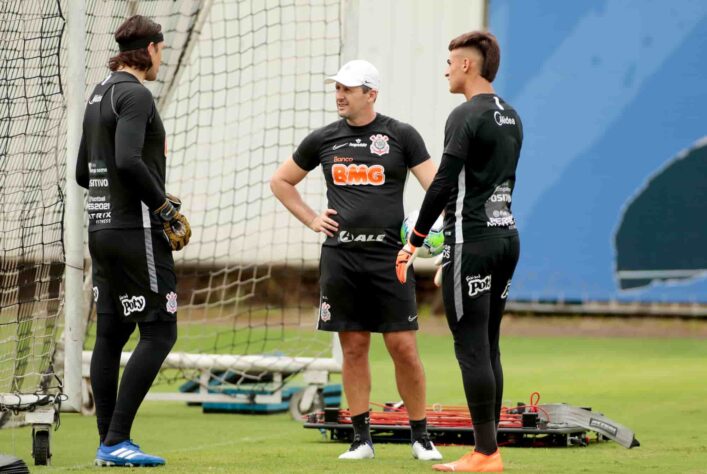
133 274
360 292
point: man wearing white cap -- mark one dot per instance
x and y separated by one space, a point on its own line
365 158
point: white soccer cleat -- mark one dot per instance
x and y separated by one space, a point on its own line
424 450
359 450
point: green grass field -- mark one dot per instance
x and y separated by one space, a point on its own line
657 387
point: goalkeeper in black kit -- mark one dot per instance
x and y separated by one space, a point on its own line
474 186
134 226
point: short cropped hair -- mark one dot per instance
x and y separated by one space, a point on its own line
486 44
135 27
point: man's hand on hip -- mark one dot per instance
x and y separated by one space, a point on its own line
324 223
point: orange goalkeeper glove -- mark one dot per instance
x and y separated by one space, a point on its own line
405 258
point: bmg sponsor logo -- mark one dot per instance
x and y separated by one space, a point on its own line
356 175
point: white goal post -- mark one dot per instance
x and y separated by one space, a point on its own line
74 214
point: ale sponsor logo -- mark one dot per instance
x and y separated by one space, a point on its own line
348 237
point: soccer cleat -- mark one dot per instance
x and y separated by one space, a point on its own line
126 454
473 462
424 450
359 450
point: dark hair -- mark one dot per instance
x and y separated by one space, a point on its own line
486 44
135 27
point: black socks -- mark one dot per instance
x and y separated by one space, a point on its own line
362 426
485 437
418 429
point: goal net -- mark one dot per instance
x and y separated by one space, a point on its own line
32 167
240 85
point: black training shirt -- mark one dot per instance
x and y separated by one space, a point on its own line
365 169
122 155
475 181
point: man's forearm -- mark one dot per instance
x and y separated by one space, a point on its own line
288 195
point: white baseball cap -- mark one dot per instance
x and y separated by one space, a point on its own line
357 73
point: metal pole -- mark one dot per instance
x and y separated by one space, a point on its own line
74 308
350 13
203 11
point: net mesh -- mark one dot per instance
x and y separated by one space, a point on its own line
32 166
239 86
241 83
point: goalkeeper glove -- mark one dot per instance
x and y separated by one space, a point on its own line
176 226
175 201
405 258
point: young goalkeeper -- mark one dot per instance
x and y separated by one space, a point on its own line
474 186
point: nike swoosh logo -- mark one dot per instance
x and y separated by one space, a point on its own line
412 318
444 264
336 147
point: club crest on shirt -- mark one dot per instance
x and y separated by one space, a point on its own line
324 312
171 302
95 294
379 144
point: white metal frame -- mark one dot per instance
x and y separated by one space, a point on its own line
74 307
315 371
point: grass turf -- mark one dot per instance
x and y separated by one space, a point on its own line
654 386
